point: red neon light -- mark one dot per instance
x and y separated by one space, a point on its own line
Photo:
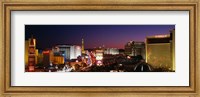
45 52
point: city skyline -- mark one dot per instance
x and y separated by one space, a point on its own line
111 36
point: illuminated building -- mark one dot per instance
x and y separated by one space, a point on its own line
133 48
160 51
26 52
128 48
31 54
58 60
47 57
36 56
68 51
82 48
99 56
112 51
58 56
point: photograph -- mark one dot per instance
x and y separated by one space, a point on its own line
99 48
94 48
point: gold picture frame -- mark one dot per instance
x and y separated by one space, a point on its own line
123 5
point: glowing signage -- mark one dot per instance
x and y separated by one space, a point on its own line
45 52
161 36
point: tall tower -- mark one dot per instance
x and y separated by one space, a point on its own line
83 49
31 55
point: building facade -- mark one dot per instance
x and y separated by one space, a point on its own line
112 51
26 52
82 47
99 56
27 47
133 48
31 54
160 51
58 59
69 51
48 57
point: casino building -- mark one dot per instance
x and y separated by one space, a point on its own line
160 51
133 48
68 51
32 54
112 51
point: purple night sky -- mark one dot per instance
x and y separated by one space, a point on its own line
111 36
